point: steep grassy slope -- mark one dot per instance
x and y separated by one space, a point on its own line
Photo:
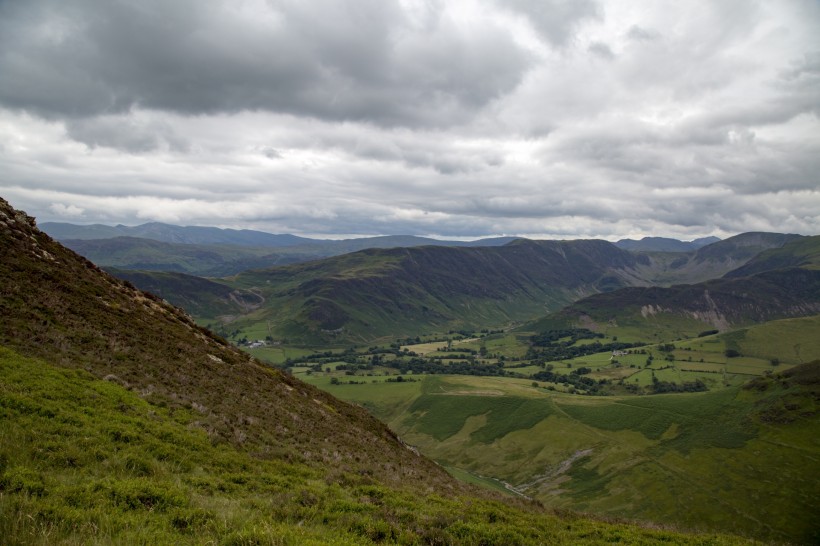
203 298
85 461
61 308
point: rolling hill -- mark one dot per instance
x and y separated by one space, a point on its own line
197 295
710 261
803 252
780 282
124 422
397 292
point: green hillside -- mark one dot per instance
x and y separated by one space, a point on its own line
87 461
692 459
738 459
681 311
400 292
711 261
803 252
197 295
383 294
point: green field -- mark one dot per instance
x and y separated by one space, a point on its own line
697 459
701 460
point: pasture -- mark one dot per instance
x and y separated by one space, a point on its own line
636 455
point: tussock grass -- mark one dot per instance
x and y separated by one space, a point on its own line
84 461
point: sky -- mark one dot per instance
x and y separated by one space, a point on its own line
551 119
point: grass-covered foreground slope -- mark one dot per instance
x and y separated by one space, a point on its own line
63 309
740 459
86 461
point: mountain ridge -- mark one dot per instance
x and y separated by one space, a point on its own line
664 244
403 291
388 292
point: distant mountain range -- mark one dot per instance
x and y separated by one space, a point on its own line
396 292
664 244
329 291
199 235
167 233
215 252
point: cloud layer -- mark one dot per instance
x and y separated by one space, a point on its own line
456 119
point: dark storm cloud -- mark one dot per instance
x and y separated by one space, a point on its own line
357 60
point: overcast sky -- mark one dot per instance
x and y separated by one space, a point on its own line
458 118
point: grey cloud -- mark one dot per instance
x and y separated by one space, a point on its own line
601 50
556 20
640 34
271 153
332 60
125 133
416 150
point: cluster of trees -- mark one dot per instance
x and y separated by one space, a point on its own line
576 378
554 345
551 337
562 351
421 365
400 379
466 350
660 387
